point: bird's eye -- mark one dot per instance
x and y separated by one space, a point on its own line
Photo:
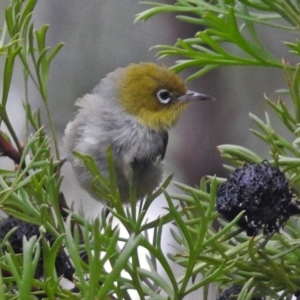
163 96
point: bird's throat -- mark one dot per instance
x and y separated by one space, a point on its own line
162 120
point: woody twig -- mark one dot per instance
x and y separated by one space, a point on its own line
8 150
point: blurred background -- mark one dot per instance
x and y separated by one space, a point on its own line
101 35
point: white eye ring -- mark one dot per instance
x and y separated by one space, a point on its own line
163 96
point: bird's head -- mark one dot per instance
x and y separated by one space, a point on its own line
154 95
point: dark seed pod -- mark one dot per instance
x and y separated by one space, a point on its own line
230 293
28 230
233 293
297 295
263 192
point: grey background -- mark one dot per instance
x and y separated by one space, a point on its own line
100 36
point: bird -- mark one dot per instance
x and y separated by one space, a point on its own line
130 111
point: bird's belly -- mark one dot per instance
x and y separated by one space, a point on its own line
144 179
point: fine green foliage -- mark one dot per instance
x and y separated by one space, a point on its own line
229 37
229 25
102 263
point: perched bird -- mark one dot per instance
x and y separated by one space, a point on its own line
131 110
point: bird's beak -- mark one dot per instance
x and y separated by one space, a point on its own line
192 96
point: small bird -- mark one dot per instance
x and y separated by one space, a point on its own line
130 110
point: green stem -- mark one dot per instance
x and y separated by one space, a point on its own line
52 128
25 74
296 94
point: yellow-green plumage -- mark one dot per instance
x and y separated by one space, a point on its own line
138 89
